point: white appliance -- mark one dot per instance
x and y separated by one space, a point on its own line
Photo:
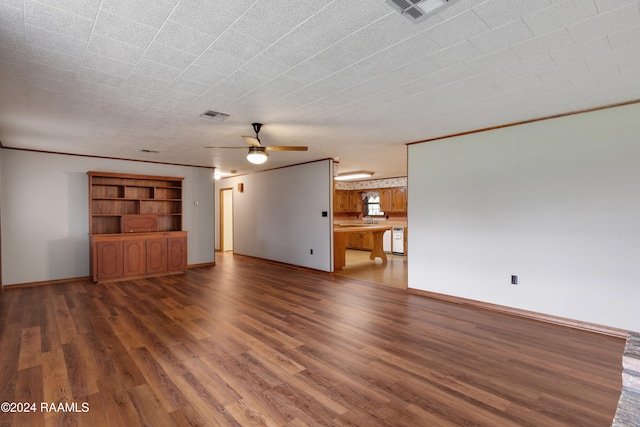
386 242
397 240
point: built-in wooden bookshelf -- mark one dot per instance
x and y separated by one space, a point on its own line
142 207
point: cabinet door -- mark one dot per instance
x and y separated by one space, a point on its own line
386 201
341 201
156 256
177 258
399 199
355 201
108 260
367 241
354 241
134 258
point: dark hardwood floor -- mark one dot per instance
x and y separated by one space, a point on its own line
252 343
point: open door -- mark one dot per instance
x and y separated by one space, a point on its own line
226 219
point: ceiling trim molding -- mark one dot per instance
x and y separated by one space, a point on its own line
524 122
106 157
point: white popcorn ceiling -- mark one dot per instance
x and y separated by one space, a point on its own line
350 79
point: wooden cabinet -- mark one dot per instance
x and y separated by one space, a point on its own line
117 200
399 199
107 260
135 224
134 257
347 201
393 199
177 254
156 256
341 201
118 256
386 201
355 201
360 240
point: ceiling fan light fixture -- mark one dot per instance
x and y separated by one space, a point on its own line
257 155
354 175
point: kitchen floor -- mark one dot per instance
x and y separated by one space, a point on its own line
359 266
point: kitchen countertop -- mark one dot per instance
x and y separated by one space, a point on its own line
389 223
359 228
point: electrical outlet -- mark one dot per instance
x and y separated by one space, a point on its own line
514 280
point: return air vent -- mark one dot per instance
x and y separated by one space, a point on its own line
215 115
419 10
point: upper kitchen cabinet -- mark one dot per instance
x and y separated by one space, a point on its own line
347 201
341 201
355 201
393 199
399 199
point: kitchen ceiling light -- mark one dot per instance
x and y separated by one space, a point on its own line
257 155
354 175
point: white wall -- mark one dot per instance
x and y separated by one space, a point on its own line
279 214
45 212
556 202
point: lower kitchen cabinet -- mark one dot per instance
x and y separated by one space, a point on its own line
362 241
124 256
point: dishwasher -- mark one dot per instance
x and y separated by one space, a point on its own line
397 240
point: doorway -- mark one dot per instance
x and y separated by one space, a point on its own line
226 219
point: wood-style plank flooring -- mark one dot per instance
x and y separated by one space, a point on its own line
251 343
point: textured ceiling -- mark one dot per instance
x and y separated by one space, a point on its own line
351 79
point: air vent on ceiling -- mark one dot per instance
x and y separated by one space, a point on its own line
419 10
215 115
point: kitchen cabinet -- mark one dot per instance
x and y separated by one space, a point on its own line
399 199
393 199
386 200
341 201
355 201
360 240
347 201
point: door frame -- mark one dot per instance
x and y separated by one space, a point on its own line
222 217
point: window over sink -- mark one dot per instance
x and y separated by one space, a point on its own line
372 204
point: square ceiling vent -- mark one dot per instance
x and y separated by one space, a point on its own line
215 115
419 10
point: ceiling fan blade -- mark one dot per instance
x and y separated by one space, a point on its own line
252 140
287 148
216 146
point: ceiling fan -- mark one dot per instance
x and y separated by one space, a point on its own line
258 152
